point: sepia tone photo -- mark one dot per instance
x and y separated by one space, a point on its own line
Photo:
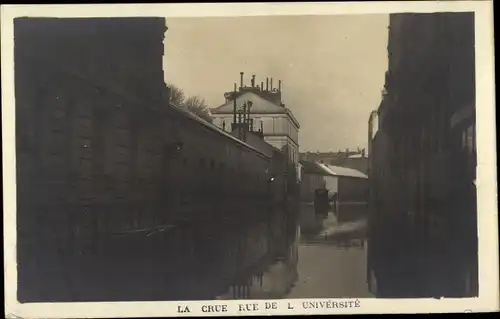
246 158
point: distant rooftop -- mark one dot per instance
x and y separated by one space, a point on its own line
357 156
343 171
330 170
313 168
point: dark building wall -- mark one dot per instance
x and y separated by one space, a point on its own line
99 152
431 66
115 143
430 78
213 165
79 166
256 141
73 108
311 182
352 189
126 54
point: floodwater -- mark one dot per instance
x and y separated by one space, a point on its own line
263 254
331 259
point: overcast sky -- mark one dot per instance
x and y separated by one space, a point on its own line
332 67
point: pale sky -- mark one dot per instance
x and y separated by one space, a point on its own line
332 67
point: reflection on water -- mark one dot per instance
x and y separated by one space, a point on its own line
254 256
275 278
345 227
333 255
344 230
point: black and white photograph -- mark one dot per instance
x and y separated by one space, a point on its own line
241 164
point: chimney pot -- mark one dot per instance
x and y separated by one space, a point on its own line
241 79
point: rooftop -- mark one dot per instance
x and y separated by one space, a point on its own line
343 171
260 105
313 168
357 156
212 127
330 170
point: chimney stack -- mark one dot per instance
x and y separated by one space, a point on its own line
234 107
253 80
262 86
279 86
241 79
267 84
271 84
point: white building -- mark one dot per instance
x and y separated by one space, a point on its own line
280 127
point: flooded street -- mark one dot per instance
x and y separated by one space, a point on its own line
268 257
332 263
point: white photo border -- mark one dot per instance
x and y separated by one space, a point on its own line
488 299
